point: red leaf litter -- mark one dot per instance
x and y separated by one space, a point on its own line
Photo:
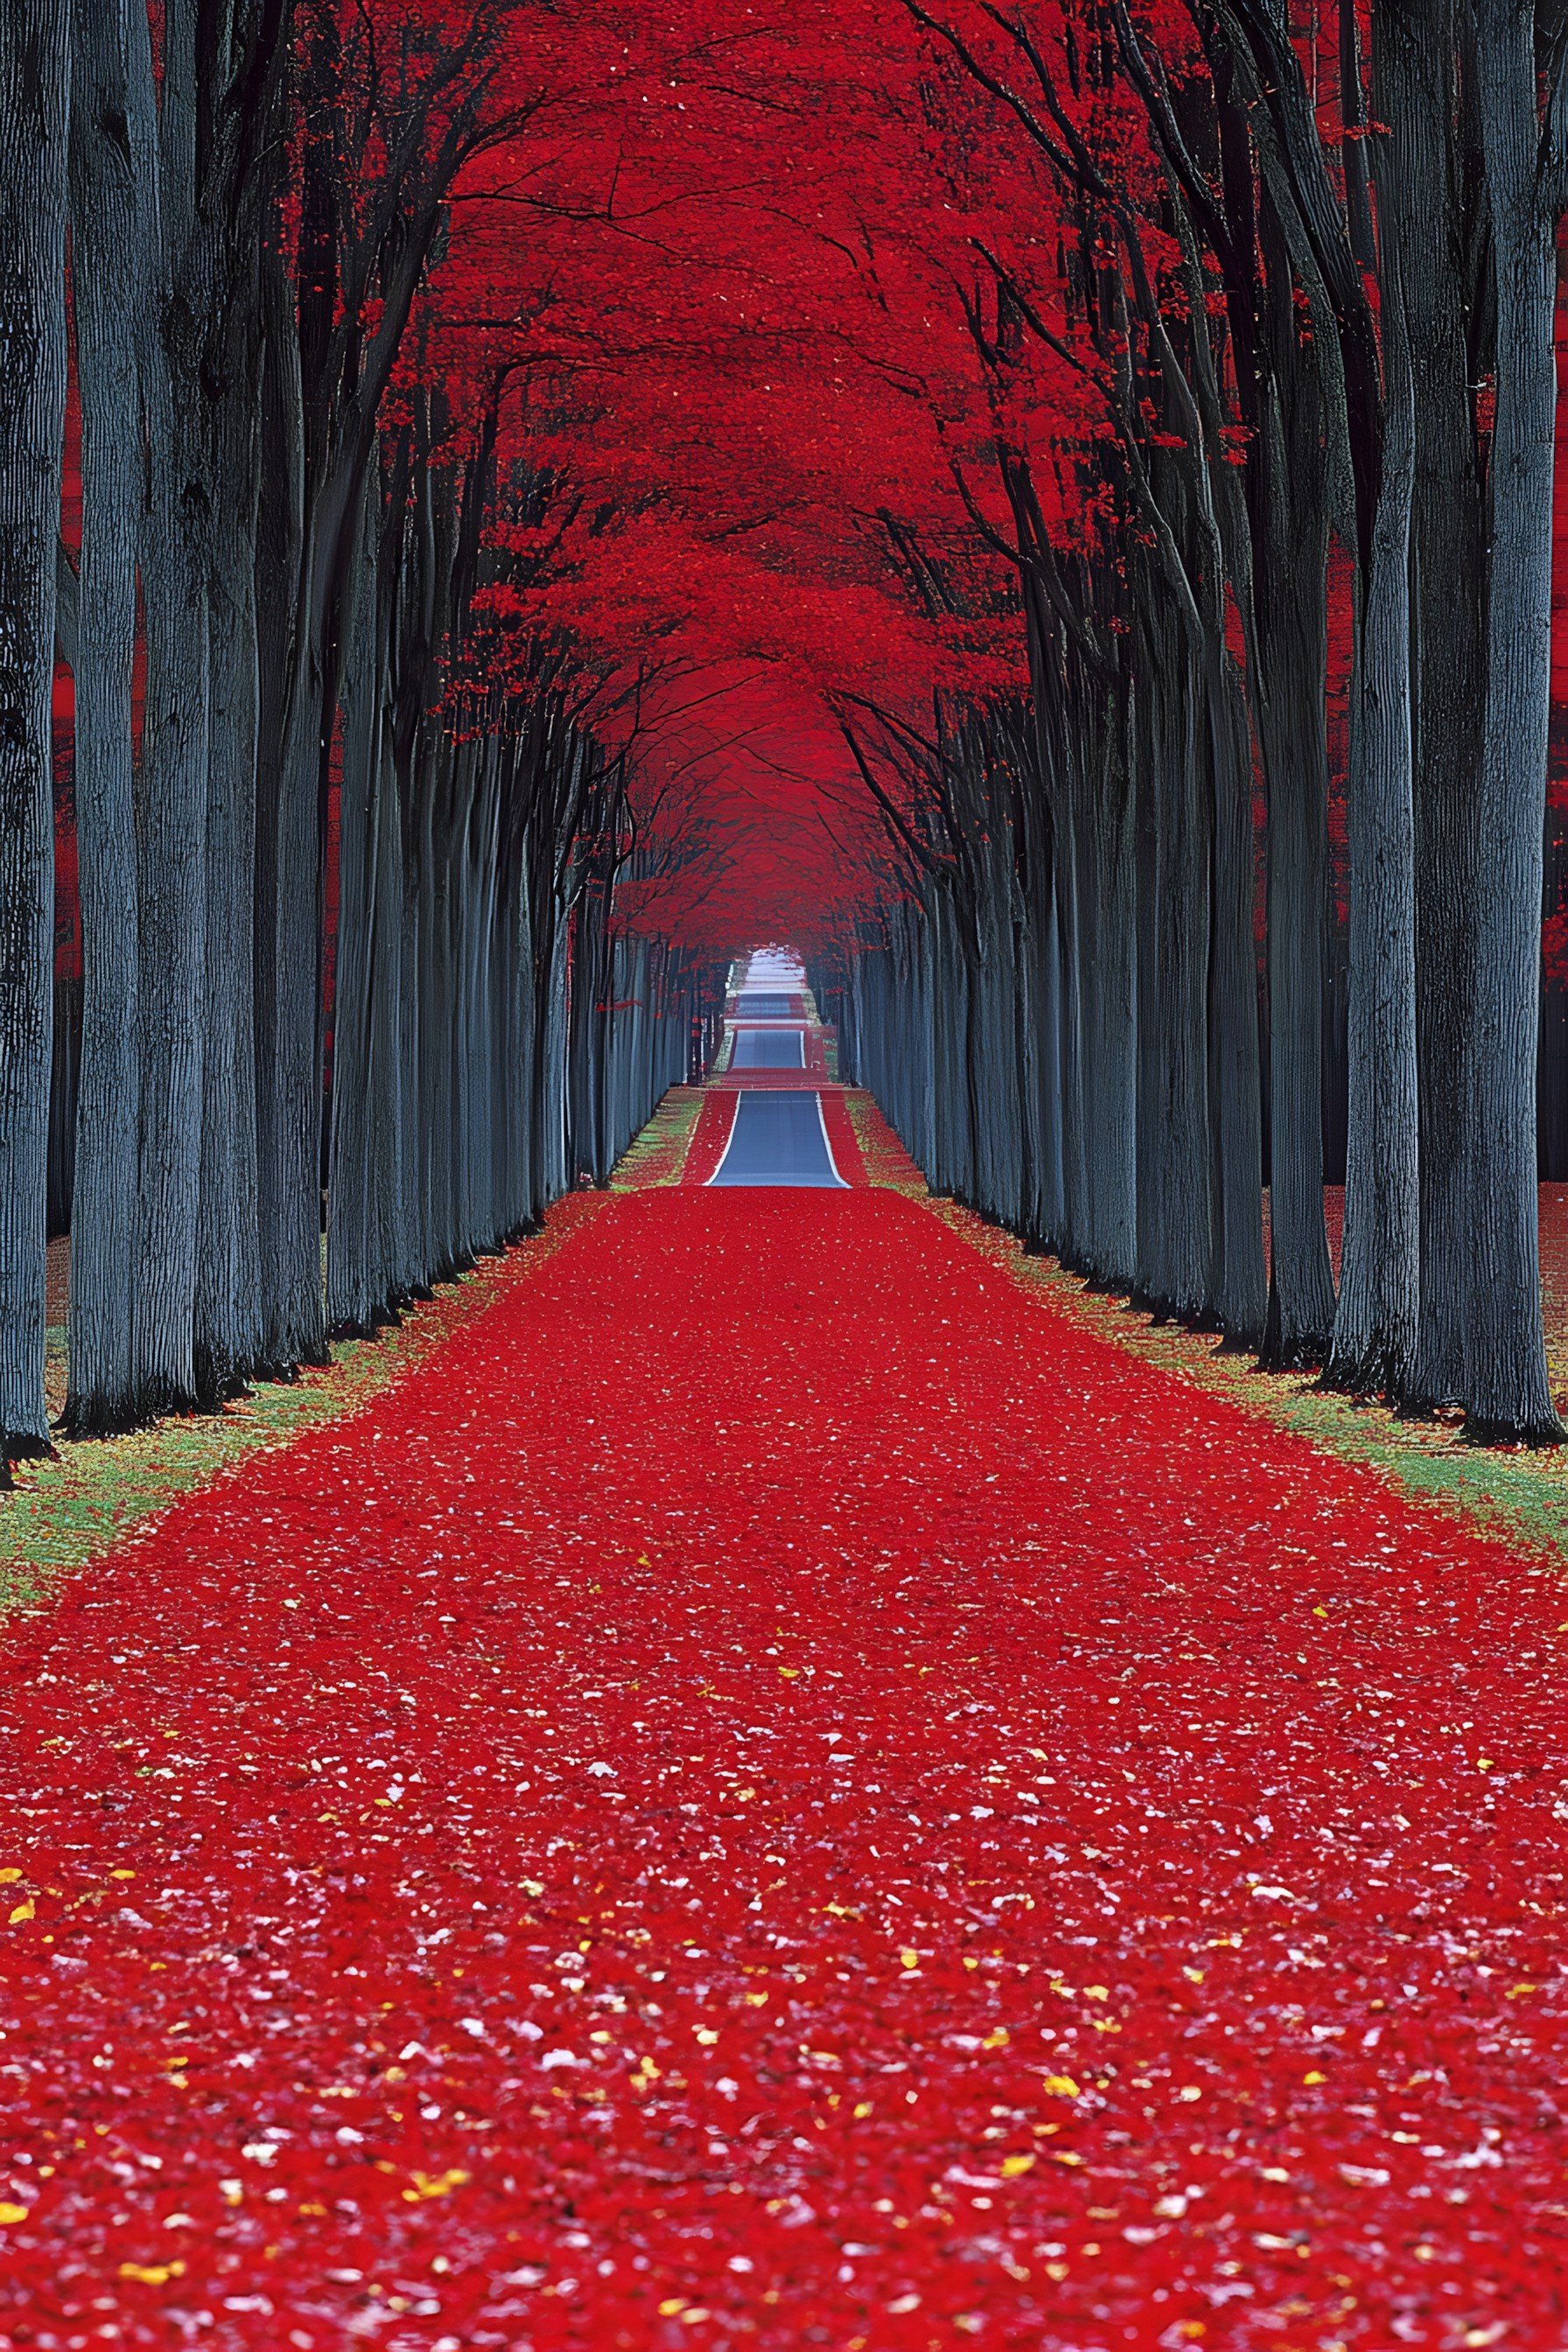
779 1794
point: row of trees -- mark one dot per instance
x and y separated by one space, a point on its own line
1311 304
272 621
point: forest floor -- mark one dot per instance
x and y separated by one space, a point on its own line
776 1789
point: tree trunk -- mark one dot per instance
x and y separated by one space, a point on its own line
112 218
1508 1395
35 90
1426 209
1374 1350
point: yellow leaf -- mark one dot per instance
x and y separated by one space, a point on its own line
9 2214
23 1911
1065 2156
707 2036
1012 2165
1314 2077
994 2040
1061 2086
911 1959
1097 1992
1514 1991
9 1877
122 1874
152 2273
671 2307
1191 2091
426 2186
789 1674
863 2110
532 1886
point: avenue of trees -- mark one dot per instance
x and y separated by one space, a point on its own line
1312 295
1048 507
269 616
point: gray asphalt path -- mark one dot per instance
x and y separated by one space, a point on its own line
779 1139
769 1049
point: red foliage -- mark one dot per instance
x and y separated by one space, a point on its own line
726 284
1048 1878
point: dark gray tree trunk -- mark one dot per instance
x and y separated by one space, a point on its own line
228 1339
172 780
1508 1395
1428 211
1240 1280
1374 1350
35 96
112 179
1290 589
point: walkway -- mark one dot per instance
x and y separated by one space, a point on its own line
774 1116
774 1794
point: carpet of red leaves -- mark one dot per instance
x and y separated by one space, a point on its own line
776 1793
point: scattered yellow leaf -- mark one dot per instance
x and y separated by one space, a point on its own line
438 2185
152 2273
9 1877
911 1959
995 2040
863 2110
9 2214
1060 2086
1012 2165
789 1674
122 1874
706 2035
532 1886
23 1911
1314 2077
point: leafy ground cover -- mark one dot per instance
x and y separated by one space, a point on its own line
65 1512
660 1152
782 1792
